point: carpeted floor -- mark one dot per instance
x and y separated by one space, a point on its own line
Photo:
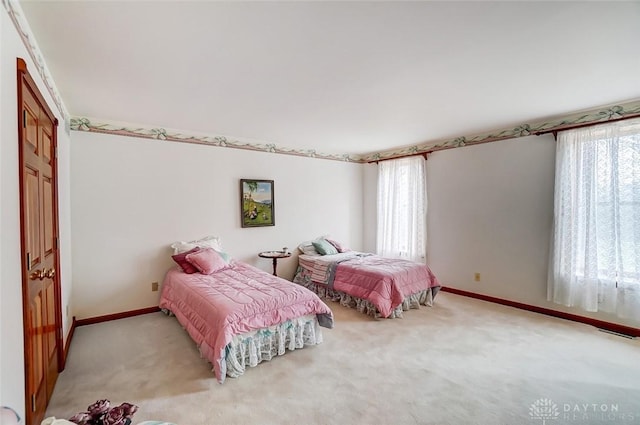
460 362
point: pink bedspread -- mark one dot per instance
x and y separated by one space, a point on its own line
385 282
214 308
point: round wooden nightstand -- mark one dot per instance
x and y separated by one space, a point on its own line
274 255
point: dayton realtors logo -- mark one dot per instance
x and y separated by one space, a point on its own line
545 409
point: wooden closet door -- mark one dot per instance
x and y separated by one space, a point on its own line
39 231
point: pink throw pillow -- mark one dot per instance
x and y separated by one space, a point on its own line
207 261
181 259
340 247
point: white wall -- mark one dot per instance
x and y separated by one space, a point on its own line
132 197
2 308
490 211
11 340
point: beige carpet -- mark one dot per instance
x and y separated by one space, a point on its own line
462 361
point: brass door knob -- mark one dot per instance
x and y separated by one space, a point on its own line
50 274
38 274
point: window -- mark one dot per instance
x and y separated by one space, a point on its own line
595 262
402 205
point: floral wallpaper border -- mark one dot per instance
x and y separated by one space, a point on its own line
603 114
158 133
600 115
16 14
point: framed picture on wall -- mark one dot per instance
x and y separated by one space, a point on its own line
256 203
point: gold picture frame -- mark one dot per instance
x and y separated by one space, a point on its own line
257 208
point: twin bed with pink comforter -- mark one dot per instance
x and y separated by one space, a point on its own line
378 286
242 315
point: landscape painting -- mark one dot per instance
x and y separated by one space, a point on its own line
256 203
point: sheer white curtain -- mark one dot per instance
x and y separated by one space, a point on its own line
595 260
402 206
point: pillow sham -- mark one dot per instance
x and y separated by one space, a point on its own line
207 261
206 242
339 246
324 247
181 260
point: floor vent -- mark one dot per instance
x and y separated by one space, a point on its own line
617 333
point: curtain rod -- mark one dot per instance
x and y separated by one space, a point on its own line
401 156
556 130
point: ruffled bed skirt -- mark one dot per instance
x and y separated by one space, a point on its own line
251 348
303 277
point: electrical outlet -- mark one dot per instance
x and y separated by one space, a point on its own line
154 286
476 277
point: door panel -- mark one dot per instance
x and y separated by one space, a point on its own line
31 130
49 336
32 219
46 146
37 342
37 354
48 216
50 323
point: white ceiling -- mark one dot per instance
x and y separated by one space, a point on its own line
338 77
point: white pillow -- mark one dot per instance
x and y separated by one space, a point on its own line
206 242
